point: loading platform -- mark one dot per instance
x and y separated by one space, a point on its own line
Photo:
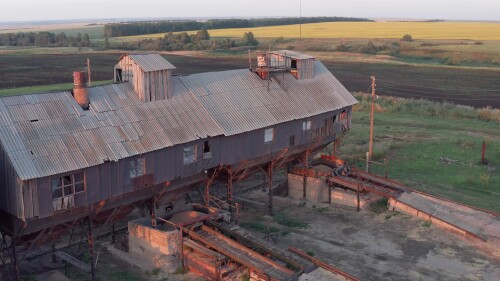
267 268
472 222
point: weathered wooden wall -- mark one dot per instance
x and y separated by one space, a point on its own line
111 179
149 86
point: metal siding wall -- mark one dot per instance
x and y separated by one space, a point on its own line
216 151
104 180
170 163
123 167
230 150
92 184
80 199
182 170
116 182
160 172
11 189
223 151
45 197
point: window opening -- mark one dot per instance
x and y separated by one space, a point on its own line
306 125
64 188
269 135
137 168
189 154
206 150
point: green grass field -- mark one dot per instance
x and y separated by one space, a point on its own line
414 136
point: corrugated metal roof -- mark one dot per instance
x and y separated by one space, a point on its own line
49 137
152 62
48 134
293 55
240 101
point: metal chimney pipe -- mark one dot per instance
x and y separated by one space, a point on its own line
79 90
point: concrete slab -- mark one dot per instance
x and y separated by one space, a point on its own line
452 216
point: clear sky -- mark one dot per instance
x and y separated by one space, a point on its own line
27 10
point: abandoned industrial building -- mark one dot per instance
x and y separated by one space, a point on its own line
136 152
97 153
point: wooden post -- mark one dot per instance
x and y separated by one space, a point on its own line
230 191
483 154
88 71
90 239
372 115
270 171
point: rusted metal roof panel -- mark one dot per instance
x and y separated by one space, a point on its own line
55 136
48 134
240 101
293 54
152 62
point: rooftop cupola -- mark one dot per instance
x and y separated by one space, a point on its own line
149 74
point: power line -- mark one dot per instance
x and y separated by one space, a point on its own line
431 92
434 97
442 89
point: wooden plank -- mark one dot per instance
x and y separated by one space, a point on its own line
244 248
74 261
201 249
323 264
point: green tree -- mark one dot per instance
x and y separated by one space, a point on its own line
249 39
407 38
86 40
203 35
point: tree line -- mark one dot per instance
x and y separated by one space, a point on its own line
183 41
150 27
44 39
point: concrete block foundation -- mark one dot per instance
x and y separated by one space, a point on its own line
154 248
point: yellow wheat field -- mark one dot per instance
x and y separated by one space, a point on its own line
418 30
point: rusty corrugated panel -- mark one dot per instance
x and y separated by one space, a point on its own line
118 125
293 54
151 62
240 101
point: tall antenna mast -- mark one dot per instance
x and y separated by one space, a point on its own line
300 19
88 71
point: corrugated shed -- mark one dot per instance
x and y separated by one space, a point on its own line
152 62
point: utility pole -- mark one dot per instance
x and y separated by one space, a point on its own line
372 113
88 72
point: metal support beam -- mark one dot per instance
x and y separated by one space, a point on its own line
8 257
90 239
270 175
230 191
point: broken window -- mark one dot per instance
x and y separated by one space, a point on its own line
343 116
269 135
206 147
137 167
119 77
64 188
190 154
206 150
306 125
